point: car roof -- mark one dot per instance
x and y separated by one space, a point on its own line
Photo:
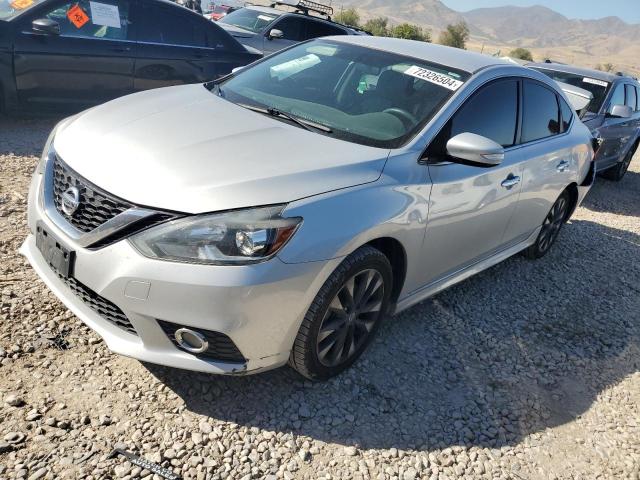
451 57
585 72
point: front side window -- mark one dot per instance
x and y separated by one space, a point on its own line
164 26
293 28
540 113
597 87
492 113
107 19
253 20
631 97
358 94
320 29
617 98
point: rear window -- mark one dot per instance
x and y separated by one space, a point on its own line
249 19
599 88
540 113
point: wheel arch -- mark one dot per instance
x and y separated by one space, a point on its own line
395 252
573 199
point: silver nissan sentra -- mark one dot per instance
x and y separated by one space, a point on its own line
279 214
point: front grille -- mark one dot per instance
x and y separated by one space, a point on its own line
221 347
103 307
96 205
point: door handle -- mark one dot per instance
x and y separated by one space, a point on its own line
562 166
510 182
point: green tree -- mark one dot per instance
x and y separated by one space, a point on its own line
410 32
377 26
522 54
455 35
348 17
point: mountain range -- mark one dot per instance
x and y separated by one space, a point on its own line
545 32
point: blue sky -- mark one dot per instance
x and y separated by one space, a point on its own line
628 10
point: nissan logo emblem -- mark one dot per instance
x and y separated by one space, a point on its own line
70 200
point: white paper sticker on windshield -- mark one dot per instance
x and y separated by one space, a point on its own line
292 67
434 77
105 14
593 81
265 17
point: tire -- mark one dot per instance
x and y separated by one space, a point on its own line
618 172
551 227
333 320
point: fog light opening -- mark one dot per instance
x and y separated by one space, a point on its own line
191 341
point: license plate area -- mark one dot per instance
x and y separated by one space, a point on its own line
59 258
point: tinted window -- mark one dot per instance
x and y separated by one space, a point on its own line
567 115
292 27
540 113
321 29
79 19
492 113
631 97
171 27
597 87
617 98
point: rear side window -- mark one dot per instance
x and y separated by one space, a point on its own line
567 114
631 97
540 113
171 27
321 29
617 98
492 112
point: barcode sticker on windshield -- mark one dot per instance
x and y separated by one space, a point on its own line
434 77
593 81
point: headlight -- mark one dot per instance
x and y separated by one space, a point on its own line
239 237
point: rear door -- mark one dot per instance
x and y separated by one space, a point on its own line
547 150
176 46
471 206
612 130
89 62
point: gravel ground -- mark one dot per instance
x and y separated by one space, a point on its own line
529 370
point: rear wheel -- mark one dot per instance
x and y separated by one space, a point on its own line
550 228
618 172
344 316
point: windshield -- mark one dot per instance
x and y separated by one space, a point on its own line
252 20
597 87
13 8
359 94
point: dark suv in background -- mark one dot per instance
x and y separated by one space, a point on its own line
270 29
613 116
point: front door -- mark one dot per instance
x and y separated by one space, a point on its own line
612 131
293 29
471 206
89 62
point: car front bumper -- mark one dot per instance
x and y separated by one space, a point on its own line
259 307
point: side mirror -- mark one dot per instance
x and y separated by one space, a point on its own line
275 33
46 26
475 149
620 111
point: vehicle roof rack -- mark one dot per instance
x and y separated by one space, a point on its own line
306 6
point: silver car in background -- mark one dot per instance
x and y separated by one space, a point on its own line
278 215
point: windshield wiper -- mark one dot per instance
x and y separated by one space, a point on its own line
274 112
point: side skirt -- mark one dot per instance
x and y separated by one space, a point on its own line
459 276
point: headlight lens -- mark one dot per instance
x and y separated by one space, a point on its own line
239 237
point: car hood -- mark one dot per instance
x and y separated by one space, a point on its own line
185 149
236 31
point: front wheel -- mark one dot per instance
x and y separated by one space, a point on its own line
550 228
344 316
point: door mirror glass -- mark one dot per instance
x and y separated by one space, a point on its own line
275 33
475 149
620 111
46 26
